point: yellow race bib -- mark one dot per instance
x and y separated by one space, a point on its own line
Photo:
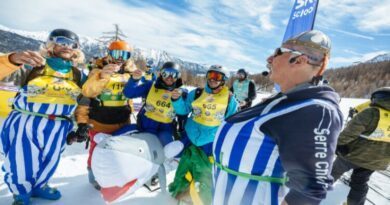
209 109
112 94
382 132
158 105
53 88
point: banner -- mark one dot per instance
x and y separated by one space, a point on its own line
302 18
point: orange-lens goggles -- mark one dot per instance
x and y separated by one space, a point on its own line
212 75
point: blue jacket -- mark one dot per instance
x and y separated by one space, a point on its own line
197 133
134 89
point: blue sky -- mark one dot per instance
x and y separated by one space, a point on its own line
234 33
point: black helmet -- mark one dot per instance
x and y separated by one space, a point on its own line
381 93
63 33
171 64
243 71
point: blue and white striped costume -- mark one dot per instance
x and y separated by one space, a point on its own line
274 139
32 144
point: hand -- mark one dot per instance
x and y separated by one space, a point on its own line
108 70
176 93
137 74
31 58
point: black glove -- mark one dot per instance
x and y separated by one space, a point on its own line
80 135
342 150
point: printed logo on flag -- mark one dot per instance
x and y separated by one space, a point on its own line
303 8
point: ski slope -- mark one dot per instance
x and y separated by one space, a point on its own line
71 179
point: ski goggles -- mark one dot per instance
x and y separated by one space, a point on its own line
66 42
213 75
170 72
119 54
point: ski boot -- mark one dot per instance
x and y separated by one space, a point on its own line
46 192
23 199
92 180
153 184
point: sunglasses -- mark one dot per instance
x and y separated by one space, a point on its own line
281 50
119 54
66 42
170 72
213 75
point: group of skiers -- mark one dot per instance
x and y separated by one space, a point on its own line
234 153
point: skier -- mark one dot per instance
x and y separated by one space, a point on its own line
364 145
244 89
34 134
291 134
208 108
149 72
103 104
157 114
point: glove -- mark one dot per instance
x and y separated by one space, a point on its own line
82 132
342 150
80 135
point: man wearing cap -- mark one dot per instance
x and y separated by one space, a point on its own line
244 89
288 140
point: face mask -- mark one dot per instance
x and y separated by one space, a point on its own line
59 64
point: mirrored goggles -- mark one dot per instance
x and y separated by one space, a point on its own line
170 72
66 42
213 75
119 54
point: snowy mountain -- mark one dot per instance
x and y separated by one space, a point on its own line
17 40
379 58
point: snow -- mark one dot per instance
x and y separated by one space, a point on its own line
71 179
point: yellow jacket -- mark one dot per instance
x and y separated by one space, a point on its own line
6 67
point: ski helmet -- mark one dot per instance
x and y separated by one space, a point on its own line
67 34
313 44
149 62
170 69
242 71
220 69
119 45
381 93
171 64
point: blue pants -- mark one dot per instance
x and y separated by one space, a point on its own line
164 131
32 147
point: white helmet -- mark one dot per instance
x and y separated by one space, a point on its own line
220 69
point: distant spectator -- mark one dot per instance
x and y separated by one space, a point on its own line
364 145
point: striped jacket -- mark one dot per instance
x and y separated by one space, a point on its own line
290 135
